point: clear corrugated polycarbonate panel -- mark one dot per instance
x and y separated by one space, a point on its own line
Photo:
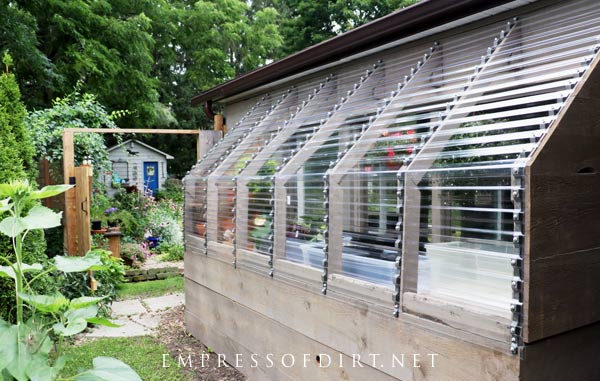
224 177
257 177
367 175
464 188
303 177
196 180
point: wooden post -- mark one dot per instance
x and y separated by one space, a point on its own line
207 139
218 122
46 180
70 206
114 242
82 203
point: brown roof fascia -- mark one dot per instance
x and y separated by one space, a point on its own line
405 22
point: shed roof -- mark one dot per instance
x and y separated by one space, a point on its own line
166 155
417 18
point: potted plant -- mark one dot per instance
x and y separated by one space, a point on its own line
100 203
260 233
112 217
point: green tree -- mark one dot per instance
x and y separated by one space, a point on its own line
104 44
16 162
198 45
307 22
16 151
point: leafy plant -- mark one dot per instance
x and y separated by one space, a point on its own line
172 190
171 252
26 345
74 110
100 202
133 214
107 281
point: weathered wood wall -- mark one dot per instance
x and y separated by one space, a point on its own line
240 311
562 258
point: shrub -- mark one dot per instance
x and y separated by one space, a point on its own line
16 161
162 224
171 252
16 150
74 110
172 190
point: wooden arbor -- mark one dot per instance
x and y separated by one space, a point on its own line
77 200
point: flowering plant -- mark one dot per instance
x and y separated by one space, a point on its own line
110 211
135 253
112 216
395 146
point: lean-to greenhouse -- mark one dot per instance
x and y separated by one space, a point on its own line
423 187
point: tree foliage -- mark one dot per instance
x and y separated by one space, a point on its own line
152 56
307 22
76 110
16 150
16 162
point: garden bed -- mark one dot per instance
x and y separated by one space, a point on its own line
179 342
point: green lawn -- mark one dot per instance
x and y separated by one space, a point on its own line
144 354
151 288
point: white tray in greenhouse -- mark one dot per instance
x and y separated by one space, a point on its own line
471 270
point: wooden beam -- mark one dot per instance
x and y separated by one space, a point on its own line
131 131
574 355
82 203
70 207
207 139
218 123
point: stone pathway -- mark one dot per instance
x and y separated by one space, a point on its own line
137 317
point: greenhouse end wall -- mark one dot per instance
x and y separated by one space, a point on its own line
433 200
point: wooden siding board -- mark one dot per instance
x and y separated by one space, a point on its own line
350 328
215 319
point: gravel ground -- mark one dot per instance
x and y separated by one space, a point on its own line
152 262
180 342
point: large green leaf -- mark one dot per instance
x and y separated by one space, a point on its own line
73 327
50 191
40 217
77 264
8 338
40 370
108 369
82 313
8 271
5 205
103 321
12 226
45 303
22 345
85 301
